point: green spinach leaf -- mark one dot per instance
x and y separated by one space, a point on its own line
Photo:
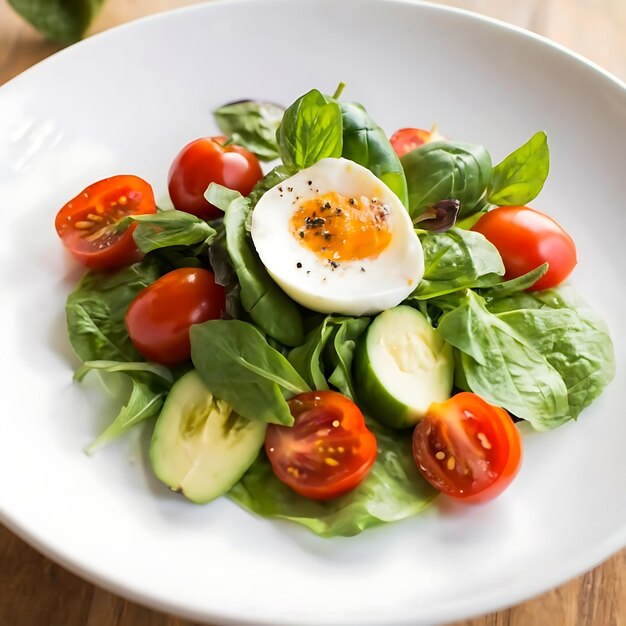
237 365
501 365
326 355
269 306
393 490
311 130
307 358
341 352
455 260
576 345
170 228
572 337
521 176
144 402
271 179
96 308
366 143
444 170
253 124
514 285
64 21
150 383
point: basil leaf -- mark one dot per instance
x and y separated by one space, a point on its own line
500 364
254 124
96 309
393 490
521 176
443 170
311 130
237 365
457 259
514 285
366 143
170 228
275 312
64 21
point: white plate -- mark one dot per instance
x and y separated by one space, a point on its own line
125 102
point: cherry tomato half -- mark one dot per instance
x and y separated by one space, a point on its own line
206 161
527 239
159 317
327 452
408 139
89 223
467 448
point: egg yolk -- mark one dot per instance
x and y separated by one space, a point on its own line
337 228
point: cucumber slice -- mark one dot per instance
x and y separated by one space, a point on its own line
401 367
200 447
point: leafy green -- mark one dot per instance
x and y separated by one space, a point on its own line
159 373
520 283
96 308
253 125
366 143
443 170
266 303
500 364
237 365
271 179
457 259
341 353
226 276
326 355
144 402
64 21
311 130
521 176
307 358
170 228
393 490
570 335
150 383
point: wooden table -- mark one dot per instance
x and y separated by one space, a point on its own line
36 592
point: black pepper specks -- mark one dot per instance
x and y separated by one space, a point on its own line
299 265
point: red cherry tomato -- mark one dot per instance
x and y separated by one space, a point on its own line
327 452
89 223
408 139
527 239
206 161
467 448
159 317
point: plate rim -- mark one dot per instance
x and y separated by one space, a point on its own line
468 608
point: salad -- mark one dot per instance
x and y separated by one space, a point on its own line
338 340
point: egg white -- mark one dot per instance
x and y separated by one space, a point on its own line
360 287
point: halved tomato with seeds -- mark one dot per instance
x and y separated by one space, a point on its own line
467 448
91 225
328 451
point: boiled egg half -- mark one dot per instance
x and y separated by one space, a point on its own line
337 240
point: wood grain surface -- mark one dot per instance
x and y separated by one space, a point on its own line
36 592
